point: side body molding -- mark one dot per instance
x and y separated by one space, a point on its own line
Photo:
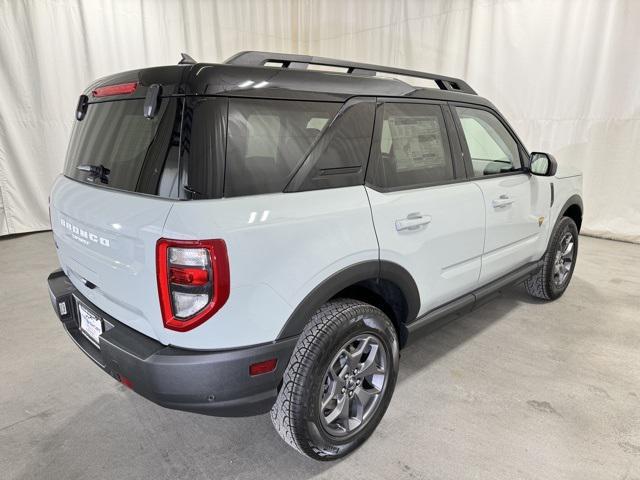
373 270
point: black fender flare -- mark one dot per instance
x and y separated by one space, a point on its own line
574 199
348 276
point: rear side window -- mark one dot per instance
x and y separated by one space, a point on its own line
267 140
116 146
412 149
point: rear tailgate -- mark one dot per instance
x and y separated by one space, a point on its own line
120 181
106 243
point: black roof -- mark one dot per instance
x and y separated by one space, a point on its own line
245 75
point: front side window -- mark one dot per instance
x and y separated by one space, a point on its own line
413 149
491 146
267 139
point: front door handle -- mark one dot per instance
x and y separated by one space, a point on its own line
502 201
413 221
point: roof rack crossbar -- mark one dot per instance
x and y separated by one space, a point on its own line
301 62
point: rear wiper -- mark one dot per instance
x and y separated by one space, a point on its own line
192 191
97 171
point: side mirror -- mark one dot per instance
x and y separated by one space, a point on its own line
543 164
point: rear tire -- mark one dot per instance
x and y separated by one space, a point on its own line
553 278
339 380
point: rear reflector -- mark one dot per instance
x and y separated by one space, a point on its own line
119 89
265 366
125 381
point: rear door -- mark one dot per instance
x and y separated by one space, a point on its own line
516 202
428 219
109 208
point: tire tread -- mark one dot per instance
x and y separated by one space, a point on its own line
538 284
289 407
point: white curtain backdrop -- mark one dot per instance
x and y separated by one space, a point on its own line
565 73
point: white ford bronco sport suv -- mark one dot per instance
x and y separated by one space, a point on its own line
265 235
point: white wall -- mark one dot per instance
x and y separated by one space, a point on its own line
565 73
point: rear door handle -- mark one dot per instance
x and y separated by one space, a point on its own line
502 201
413 221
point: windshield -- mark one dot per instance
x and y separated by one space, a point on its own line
115 146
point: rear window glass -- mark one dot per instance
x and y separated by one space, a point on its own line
267 140
116 146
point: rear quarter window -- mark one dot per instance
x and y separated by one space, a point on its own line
267 140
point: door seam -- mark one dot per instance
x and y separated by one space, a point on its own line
484 237
373 223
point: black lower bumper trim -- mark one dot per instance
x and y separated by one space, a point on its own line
212 382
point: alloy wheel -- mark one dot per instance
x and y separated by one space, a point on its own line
563 260
353 385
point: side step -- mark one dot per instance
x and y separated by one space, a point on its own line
468 302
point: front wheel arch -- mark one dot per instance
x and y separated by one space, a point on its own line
572 208
540 284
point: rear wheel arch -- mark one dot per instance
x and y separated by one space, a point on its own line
383 284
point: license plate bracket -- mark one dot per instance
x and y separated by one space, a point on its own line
91 324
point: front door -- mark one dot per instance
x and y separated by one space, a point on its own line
516 202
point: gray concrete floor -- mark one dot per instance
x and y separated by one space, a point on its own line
515 390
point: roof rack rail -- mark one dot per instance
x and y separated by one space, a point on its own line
301 62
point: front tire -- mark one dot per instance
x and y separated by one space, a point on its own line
339 380
553 278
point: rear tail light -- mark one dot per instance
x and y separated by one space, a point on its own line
119 89
193 281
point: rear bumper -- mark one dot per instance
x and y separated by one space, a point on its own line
212 382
